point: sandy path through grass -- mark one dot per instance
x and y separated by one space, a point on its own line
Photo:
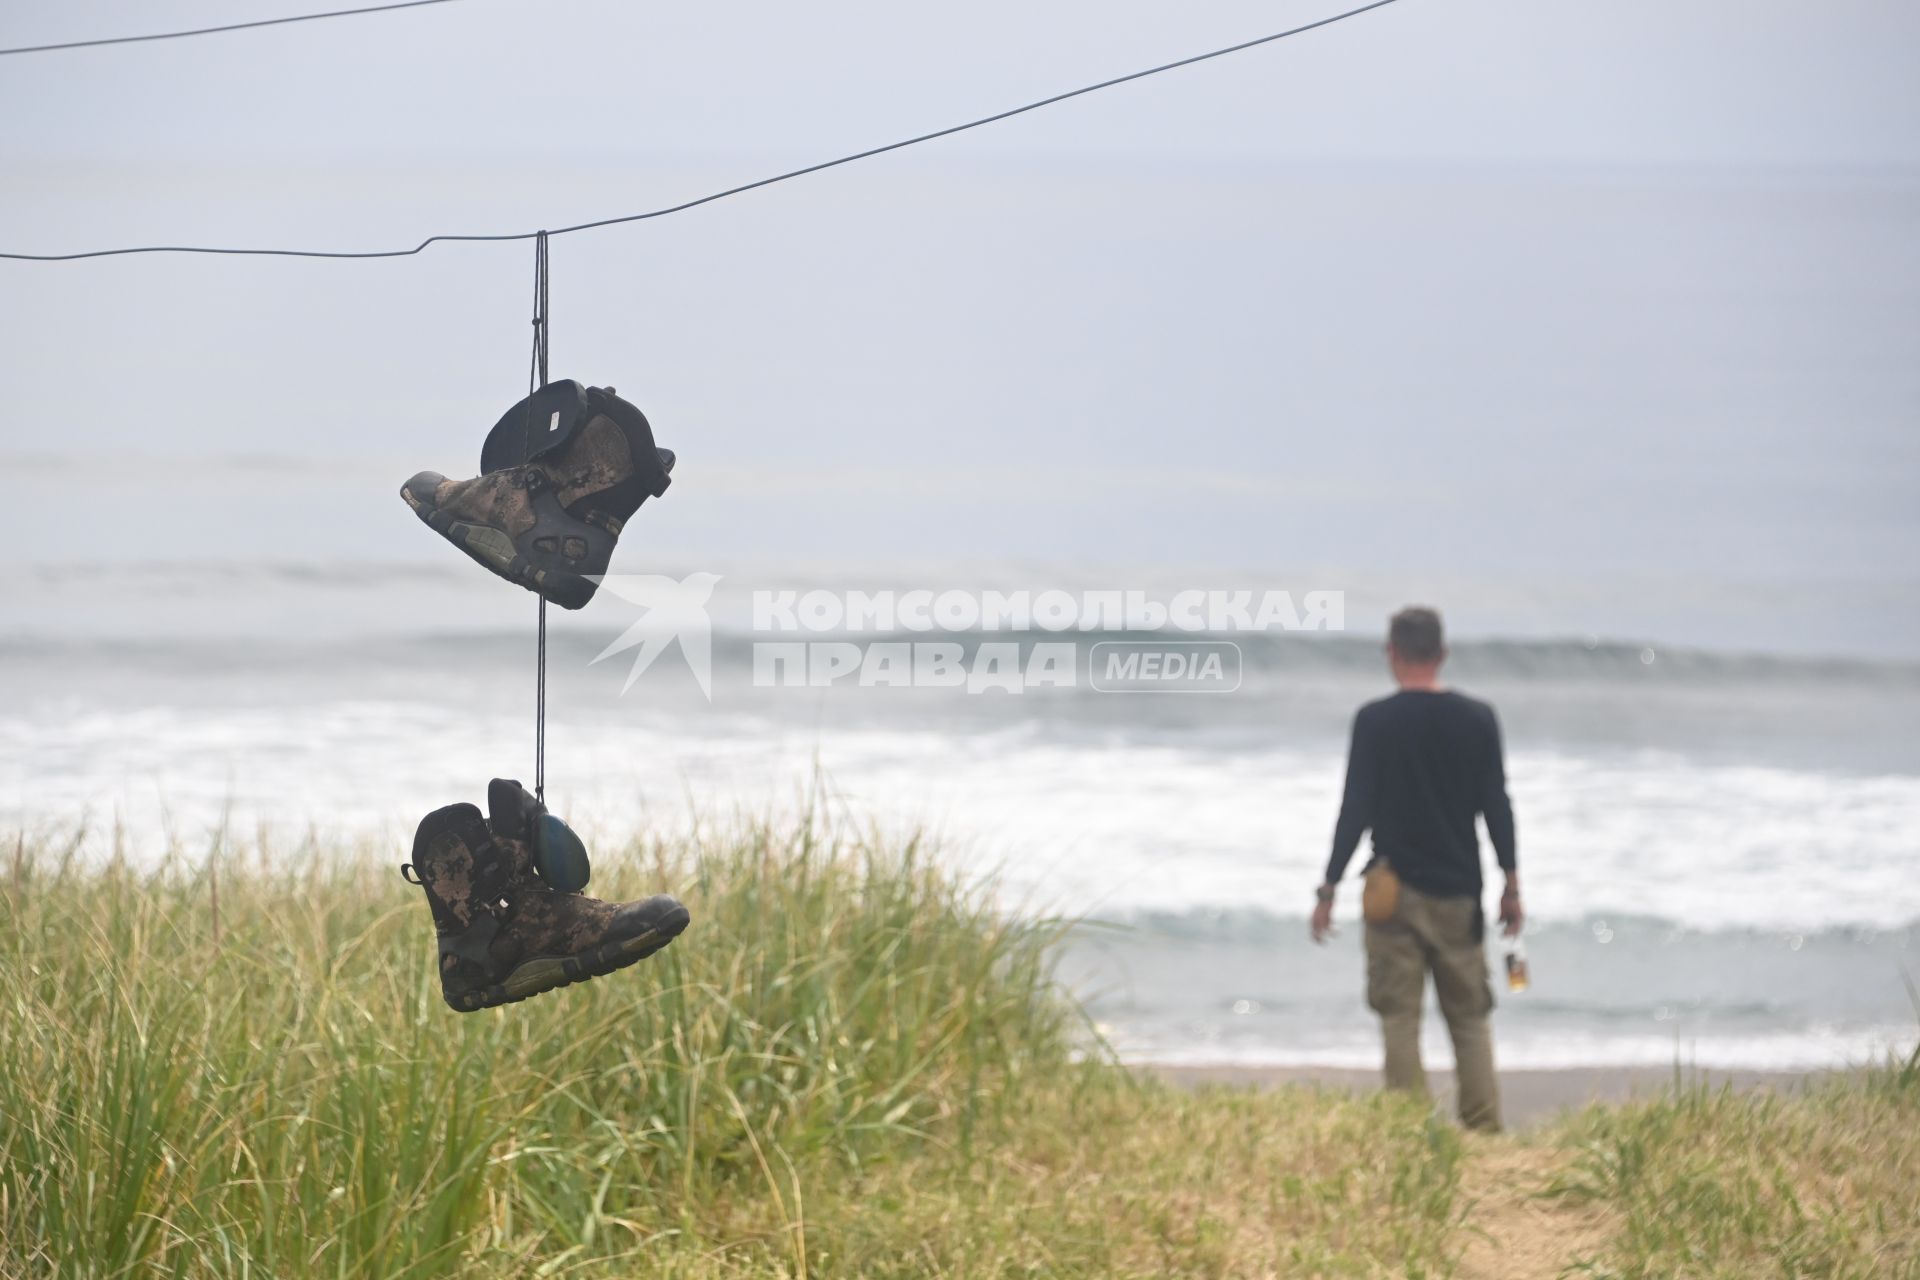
1510 1230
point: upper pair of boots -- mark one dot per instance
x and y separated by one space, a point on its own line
561 473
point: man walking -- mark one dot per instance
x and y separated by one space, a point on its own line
1424 763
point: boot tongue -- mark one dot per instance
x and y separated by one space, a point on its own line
512 809
540 844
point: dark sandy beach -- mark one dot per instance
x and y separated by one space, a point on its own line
1528 1098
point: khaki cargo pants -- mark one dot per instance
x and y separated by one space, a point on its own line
1442 936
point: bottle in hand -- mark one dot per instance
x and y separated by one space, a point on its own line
1517 978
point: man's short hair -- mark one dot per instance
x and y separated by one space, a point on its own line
1415 634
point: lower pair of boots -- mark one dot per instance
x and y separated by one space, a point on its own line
511 922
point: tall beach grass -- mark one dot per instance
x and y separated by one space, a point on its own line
1702 1181
237 1063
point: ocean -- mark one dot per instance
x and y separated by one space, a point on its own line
1718 849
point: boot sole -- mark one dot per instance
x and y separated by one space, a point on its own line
493 550
548 973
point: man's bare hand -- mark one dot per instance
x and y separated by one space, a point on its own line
1322 924
1512 915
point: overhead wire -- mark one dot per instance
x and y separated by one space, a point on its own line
447 237
210 31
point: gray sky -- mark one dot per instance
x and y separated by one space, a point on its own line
1594 317
1630 81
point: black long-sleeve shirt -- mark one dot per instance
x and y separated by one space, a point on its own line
1422 766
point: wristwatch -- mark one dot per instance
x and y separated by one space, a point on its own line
1324 893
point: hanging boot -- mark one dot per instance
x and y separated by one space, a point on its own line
505 933
561 473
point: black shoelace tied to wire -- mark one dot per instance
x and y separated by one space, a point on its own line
536 379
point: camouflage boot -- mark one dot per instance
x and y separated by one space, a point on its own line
561 473
505 934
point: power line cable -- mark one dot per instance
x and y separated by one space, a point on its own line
730 191
209 31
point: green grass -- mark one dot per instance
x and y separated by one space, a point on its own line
1707 1183
848 1066
240 1066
